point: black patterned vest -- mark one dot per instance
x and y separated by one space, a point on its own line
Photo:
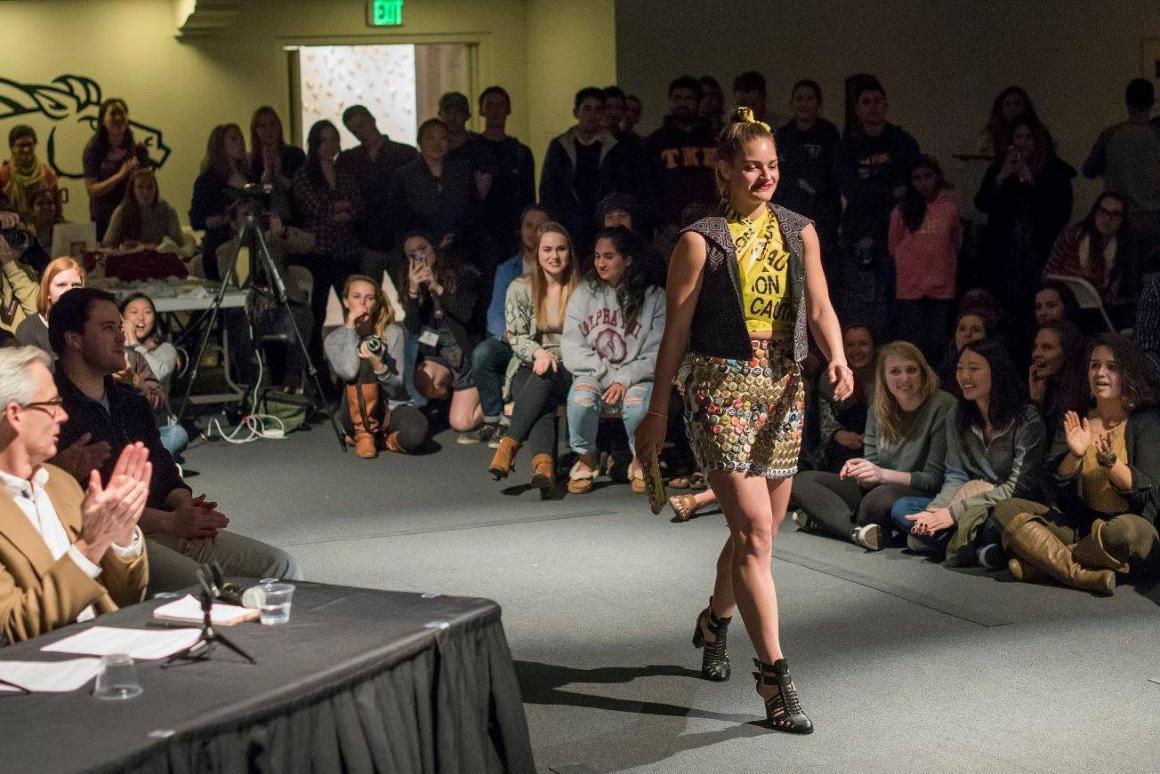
718 327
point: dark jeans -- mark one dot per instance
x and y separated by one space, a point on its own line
925 323
489 362
837 505
536 401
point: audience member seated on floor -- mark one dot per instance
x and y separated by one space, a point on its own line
110 157
373 164
534 315
905 454
436 194
60 276
143 219
874 161
147 335
84 554
490 358
18 287
368 353
612 331
1127 156
581 167
104 417
23 176
1053 381
1011 105
1098 249
1101 518
843 424
1027 197
994 441
926 230
973 324
272 161
439 300
216 191
1146 332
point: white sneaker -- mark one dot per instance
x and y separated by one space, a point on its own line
868 536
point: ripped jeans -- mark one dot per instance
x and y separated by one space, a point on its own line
585 408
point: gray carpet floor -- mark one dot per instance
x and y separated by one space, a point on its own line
903 665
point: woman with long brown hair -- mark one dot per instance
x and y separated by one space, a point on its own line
534 315
741 291
216 190
143 217
110 157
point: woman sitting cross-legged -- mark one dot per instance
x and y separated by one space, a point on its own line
905 447
611 333
995 441
1107 467
534 319
366 353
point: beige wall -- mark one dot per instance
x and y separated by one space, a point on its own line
942 62
185 87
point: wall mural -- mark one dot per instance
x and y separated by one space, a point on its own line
64 114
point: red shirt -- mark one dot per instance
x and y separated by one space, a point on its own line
926 260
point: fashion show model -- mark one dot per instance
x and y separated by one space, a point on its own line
742 290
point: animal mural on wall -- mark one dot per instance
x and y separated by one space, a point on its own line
64 114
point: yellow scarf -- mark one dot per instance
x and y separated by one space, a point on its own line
23 184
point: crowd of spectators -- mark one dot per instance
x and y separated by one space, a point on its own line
983 428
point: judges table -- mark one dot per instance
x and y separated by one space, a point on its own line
358 680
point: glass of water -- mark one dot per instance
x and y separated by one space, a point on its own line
117 678
276 598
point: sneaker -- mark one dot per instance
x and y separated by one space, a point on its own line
481 434
992 557
868 536
803 521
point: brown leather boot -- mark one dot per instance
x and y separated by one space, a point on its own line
361 400
1025 572
1035 544
1091 554
543 472
504 459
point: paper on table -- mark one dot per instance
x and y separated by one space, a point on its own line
50 676
138 643
188 610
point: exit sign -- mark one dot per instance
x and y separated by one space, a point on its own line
384 13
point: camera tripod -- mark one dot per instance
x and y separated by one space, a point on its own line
250 236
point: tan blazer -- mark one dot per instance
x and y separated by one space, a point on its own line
39 594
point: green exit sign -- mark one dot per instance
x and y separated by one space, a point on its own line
385 13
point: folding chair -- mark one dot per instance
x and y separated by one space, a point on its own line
1087 296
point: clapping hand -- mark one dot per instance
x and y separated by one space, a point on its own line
109 514
1078 433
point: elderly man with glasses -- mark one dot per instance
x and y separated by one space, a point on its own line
66 554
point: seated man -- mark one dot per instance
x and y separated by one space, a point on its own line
183 531
65 555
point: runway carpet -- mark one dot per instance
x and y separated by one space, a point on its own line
903 665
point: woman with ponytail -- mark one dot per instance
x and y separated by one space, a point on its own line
741 291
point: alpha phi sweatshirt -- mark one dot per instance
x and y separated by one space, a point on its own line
597 344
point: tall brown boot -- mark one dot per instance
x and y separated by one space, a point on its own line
1035 544
361 400
504 459
543 472
1090 551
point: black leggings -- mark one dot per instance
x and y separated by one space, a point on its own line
837 505
534 412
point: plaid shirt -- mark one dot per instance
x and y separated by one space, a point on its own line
315 205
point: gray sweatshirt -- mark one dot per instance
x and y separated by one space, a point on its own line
596 344
1013 453
922 450
341 347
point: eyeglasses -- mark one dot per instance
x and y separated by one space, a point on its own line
49 407
1110 213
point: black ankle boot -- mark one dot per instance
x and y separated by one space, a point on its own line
783 710
715 658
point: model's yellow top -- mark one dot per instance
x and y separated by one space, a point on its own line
763 264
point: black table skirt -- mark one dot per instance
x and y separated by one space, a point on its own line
358 681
